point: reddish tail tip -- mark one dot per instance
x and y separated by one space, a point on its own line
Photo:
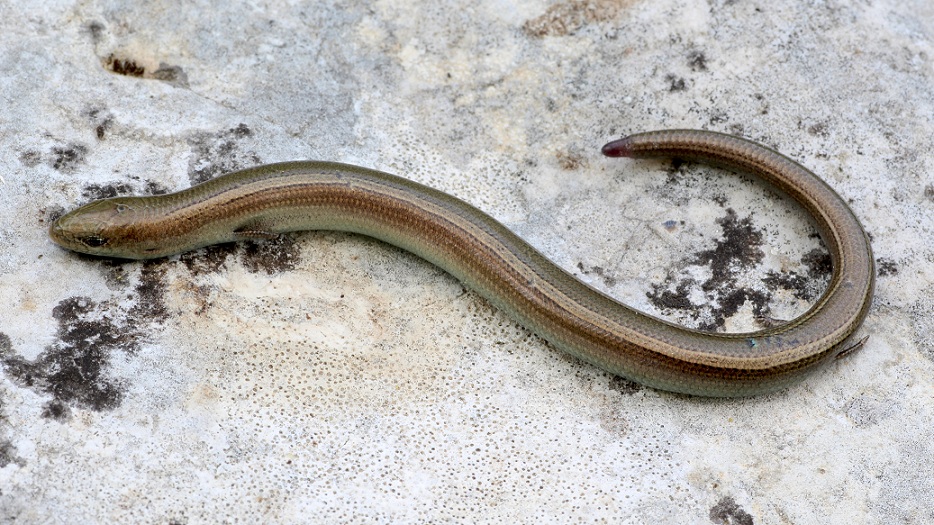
617 148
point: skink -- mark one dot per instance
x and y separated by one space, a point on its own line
265 201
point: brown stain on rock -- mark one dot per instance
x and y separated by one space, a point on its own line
565 18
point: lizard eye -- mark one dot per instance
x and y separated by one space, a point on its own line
93 241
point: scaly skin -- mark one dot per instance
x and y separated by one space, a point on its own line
267 200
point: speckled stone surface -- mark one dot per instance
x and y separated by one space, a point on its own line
329 378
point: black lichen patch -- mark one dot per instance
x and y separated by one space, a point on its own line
727 512
73 370
124 66
718 116
273 256
697 61
150 299
64 158
101 120
96 30
675 83
218 153
624 386
154 188
51 214
607 279
678 172
819 263
802 287
270 257
174 75
68 157
819 267
209 259
106 191
731 302
886 267
737 251
168 73
117 272
8 454
118 189
677 299
56 410
7 450
819 129
30 158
